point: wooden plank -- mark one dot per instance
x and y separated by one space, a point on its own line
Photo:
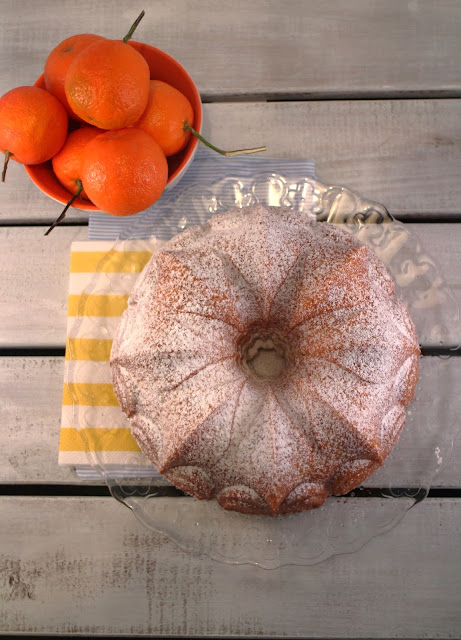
33 292
403 153
263 48
30 413
34 284
31 409
73 566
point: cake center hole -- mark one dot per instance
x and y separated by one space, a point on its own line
265 359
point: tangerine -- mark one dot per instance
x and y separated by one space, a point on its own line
107 84
124 171
33 125
66 163
66 166
166 113
60 59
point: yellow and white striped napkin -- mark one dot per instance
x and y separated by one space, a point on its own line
94 430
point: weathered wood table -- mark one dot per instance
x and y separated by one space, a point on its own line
371 91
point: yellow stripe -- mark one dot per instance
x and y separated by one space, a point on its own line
88 349
93 394
91 439
91 305
109 261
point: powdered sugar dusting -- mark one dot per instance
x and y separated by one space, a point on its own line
269 281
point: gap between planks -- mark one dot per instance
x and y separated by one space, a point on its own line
94 491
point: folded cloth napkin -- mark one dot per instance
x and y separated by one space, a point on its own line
94 431
95 434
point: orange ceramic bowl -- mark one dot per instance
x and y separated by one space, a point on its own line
162 67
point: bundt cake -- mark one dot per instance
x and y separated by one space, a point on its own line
265 361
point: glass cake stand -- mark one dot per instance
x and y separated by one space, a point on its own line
341 525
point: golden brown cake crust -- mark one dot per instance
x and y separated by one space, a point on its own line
265 361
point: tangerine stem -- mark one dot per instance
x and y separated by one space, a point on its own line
229 154
8 155
133 26
64 211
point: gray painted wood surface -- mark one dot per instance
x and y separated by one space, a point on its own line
33 307
25 251
263 48
72 565
30 418
402 153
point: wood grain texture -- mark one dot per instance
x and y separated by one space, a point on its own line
87 566
34 283
30 412
31 293
403 153
265 48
